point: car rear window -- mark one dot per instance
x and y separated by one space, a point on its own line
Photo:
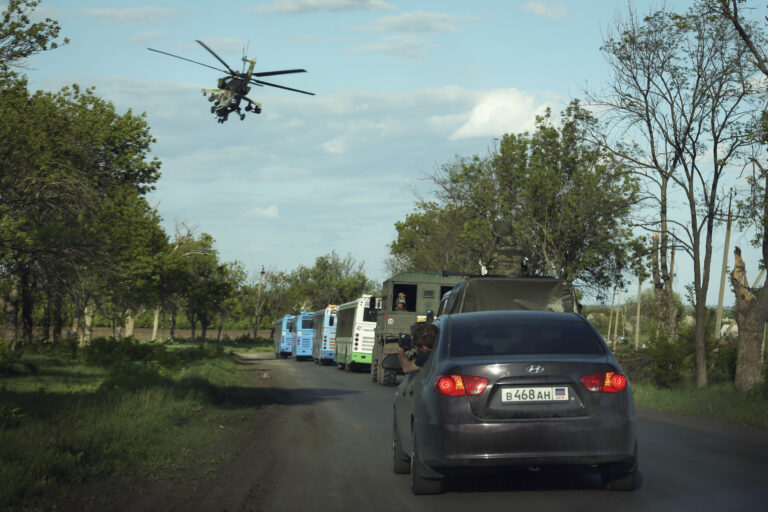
514 337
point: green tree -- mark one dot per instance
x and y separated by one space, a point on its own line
566 202
20 38
331 280
65 157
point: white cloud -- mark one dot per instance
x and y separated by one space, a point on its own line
335 146
501 111
134 15
416 22
395 46
270 212
552 12
145 37
298 6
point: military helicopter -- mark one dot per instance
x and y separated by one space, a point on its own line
232 89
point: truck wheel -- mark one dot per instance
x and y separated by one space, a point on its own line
374 369
389 377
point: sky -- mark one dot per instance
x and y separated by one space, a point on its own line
401 87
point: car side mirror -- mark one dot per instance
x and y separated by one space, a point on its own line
391 362
430 316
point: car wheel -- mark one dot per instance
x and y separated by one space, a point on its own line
624 478
420 484
400 463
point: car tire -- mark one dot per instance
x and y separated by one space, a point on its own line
401 464
622 479
419 484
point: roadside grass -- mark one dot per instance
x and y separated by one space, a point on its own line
718 401
64 422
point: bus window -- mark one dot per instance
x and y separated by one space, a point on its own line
369 315
307 323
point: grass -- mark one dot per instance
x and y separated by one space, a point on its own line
72 422
718 401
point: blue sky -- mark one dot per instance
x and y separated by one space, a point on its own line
401 87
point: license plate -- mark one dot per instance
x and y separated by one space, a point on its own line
534 394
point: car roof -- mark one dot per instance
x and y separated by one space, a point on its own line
522 315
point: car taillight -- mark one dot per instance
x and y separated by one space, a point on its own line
608 382
461 385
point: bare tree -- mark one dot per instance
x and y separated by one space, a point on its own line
679 98
751 303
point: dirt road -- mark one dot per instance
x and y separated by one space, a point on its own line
316 438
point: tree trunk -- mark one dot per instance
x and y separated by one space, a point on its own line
57 318
26 307
662 284
12 310
130 321
156 323
751 315
172 327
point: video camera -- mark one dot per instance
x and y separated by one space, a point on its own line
405 341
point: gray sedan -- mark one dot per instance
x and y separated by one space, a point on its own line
515 389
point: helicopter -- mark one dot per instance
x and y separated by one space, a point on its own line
232 89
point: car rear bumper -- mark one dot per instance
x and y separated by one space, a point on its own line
571 442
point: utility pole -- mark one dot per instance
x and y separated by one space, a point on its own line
637 316
719 316
610 315
257 306
616 325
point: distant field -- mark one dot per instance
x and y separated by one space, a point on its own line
145 334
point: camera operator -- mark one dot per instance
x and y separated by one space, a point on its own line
423 336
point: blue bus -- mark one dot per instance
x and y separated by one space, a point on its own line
303 333
324 345
282 336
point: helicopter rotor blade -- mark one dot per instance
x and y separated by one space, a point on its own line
261 82
217 57
283 72
188 60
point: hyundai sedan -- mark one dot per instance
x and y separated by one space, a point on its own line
515 389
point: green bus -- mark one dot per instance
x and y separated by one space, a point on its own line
355 326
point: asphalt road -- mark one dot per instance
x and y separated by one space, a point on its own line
313 438
330 449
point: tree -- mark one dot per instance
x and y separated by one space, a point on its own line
568 198
64 159
564 200
432 239
679 91
751 303
331 280
19 38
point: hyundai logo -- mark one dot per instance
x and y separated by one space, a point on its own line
534 369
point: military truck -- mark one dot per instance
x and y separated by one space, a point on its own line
405 299
488 293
